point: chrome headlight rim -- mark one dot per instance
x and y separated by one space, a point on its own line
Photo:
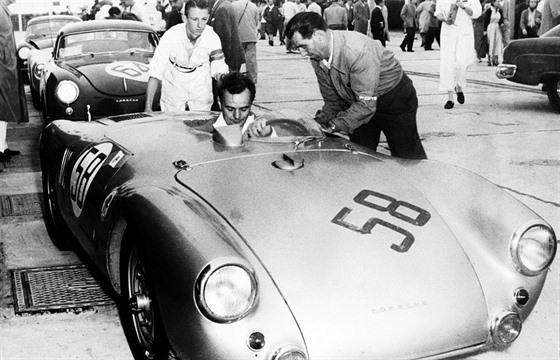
516 243
506 327
289 352
38 69
206 276
67 92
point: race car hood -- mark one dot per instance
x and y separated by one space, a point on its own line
115 78
364 261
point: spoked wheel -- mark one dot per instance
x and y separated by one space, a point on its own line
140 314
553 91
56 227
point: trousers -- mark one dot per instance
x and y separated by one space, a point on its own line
396 118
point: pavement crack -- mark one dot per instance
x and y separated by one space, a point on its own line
514 132
555 204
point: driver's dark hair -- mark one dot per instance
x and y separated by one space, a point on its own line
235 83
305 23
200 4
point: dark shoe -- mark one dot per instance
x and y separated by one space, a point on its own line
460 97
270 42
410 50
428 49
11 152
282 43
402 48
4 157
449 104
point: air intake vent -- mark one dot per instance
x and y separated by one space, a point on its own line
129 117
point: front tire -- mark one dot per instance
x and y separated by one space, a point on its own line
139 309
553 91
58 231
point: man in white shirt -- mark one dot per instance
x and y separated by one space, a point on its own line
186 59
237 92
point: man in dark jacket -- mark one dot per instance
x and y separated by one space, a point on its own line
224 22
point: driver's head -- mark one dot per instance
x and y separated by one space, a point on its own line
237 92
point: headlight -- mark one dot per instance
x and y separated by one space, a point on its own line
226 293
38 70
533 247
506 327
23 53
67 92
289 354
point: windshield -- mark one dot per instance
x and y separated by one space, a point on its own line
106 41
46 28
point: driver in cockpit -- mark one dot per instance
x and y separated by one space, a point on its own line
236 93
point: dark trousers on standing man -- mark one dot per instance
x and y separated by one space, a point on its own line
396 117
408 40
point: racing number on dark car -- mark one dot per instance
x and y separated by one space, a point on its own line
390 205
132 69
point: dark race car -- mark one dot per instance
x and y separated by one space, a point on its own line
535 61
41 33
292 247
98 68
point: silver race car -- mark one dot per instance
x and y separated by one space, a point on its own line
298 246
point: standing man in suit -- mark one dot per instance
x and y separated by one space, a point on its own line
378 23
248 19
222 19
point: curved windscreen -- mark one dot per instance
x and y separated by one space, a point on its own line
106 41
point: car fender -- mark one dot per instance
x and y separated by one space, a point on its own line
497 215
181 236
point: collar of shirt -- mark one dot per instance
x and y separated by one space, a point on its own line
328 63
222 122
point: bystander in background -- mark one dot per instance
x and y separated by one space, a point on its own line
175 16
114 13
550 15
13 104
103 10
273 19
289 9
314 7
336 16
350 13
530 21
493 21
224 23
457 45
361 16
408 16
378 23
248 18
